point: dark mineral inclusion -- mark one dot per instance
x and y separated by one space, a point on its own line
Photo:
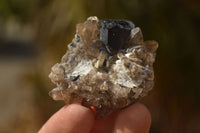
107 66
113 33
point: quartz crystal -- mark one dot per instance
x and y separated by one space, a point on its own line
107 66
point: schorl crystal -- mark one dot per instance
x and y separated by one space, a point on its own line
113 33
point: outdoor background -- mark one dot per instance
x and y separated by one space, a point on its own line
34 35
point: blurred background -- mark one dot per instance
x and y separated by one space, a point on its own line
34 35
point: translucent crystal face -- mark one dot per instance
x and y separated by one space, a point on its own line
107 66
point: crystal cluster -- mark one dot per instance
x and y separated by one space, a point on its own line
107 65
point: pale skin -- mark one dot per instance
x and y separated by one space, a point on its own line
75 118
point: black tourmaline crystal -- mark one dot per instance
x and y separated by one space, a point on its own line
113 33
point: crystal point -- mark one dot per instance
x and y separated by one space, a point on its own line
114 33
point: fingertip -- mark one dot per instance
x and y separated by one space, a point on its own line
143 112
80 113
146 119
71 118
135 118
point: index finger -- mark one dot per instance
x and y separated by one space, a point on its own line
135 118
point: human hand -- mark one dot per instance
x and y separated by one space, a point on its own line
75 118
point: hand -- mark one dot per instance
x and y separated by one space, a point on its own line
75 118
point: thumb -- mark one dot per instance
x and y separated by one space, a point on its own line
73 118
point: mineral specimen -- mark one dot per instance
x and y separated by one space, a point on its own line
107 66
